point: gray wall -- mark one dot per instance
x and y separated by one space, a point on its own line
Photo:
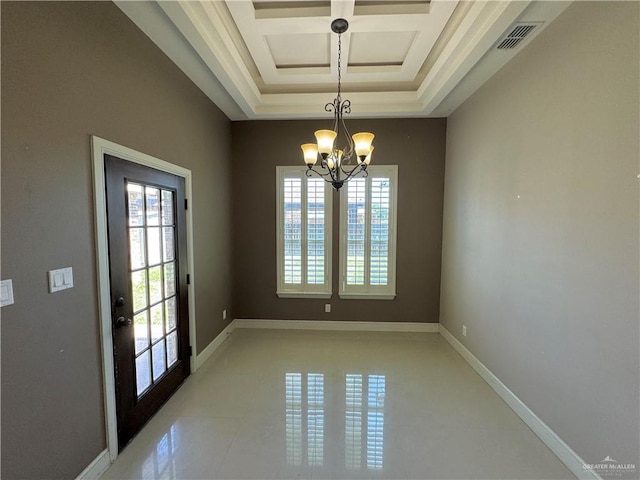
417 146
540 243
69 70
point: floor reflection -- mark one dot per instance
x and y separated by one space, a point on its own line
160 464
304 414
305 420
358 406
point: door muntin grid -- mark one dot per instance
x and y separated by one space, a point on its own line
151 229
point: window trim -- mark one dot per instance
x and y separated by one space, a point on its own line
303 290
371 292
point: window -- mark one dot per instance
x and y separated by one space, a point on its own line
304 234
368 235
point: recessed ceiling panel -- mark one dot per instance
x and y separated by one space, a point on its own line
391 7
300 50
291 8
379 48
279 58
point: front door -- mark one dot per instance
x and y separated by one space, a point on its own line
148 272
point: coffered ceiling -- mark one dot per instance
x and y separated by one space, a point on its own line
279 59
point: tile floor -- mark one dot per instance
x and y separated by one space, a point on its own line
336 405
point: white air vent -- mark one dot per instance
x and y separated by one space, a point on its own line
517 34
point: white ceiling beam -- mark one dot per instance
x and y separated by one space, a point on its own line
311 105
342 9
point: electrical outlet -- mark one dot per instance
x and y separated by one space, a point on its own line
224 314
464 330
327 308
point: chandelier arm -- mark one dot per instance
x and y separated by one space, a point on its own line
348 151
351 173
322 175
350 177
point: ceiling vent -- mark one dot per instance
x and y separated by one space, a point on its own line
517 34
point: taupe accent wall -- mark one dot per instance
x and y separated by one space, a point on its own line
70 70
541 221
417 146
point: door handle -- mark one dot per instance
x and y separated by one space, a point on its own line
123 322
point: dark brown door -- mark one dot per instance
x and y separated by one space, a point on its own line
148 273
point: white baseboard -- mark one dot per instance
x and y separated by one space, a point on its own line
337 326
96 468
563 451
204 355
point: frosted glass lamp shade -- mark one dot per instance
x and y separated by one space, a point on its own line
367 159
325 140
310 152
362 143
330 162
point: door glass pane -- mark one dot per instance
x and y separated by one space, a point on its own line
135 205
155 284
139 289
136 246
167 207
153 245
169 279
143 373
158 360
144 264
153 206
167 243
172 348
156 322
292 230
141 329
170 313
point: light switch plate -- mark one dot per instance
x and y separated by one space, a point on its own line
6 293
60 279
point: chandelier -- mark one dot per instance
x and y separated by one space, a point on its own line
338 165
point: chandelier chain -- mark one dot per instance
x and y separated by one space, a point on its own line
339 64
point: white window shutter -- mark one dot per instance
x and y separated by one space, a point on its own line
368 235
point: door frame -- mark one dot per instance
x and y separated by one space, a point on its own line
100 147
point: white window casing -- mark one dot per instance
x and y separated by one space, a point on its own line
303 234
368 231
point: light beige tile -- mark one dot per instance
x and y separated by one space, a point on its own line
275 404
478 453
188 448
